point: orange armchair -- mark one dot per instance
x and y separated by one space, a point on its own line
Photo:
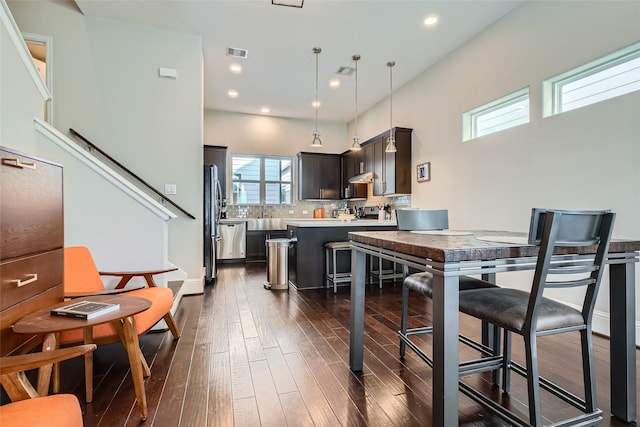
82 278
28 408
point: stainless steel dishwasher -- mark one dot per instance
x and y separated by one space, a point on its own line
233 240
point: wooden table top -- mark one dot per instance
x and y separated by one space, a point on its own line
42 322
468 246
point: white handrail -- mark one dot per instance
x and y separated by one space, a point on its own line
23 51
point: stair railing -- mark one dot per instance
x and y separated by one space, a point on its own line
92 146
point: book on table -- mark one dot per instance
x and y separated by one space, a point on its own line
85 309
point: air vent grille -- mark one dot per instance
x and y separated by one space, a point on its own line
345 71
237 53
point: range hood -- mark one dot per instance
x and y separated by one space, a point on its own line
363 178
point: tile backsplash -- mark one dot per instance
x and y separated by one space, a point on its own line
305 208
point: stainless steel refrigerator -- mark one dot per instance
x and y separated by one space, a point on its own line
212 208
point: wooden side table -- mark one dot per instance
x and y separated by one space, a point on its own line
42 322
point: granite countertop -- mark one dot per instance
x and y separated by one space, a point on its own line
281 223
331 222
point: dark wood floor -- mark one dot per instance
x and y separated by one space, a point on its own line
252 357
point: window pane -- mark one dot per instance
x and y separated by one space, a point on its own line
262 179
503 113
612 75
249 193
504 117
246 168
277 194
609 83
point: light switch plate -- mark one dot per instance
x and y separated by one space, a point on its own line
170 189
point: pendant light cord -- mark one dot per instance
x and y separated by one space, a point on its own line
317 52
391 64
355 132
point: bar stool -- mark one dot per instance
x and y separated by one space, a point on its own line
331 250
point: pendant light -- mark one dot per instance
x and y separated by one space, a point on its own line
355 145
391 141
316 133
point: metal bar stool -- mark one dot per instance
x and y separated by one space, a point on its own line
331 250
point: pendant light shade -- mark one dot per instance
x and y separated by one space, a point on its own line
355 145
316 133
391 141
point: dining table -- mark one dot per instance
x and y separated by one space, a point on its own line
448 254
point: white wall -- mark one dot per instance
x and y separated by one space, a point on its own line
20 100
586 158
255 134
107 88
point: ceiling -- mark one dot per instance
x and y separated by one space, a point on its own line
279 72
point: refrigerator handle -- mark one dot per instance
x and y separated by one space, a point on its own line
218 200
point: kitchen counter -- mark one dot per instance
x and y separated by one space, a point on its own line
335 222
307 252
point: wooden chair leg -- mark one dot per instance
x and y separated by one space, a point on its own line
88 365
171 323
133 351
44 373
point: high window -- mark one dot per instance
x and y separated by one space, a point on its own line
612 75
503 113
261 179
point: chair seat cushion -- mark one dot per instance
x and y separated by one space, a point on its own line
59 410
162 301
507 308
423 283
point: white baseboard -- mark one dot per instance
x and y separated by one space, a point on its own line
193 286
601 325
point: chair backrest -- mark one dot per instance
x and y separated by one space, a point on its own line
571 229
80 271
421 219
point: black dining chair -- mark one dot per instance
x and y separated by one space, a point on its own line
532 315
422 282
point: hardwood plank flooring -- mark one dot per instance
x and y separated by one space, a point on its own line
253 357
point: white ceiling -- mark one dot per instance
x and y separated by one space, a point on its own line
280 69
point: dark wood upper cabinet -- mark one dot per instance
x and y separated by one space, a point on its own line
216 155
391 171
396 170
352 164
318 176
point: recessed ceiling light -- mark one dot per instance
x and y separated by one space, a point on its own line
431 20
235 68
334 83
232 93
265 110
315 104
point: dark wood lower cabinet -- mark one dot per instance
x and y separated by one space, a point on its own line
307 254
256 243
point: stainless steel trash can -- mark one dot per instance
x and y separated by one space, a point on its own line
277 263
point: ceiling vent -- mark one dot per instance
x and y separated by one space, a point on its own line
345 71
237 53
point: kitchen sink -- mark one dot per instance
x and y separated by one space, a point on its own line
265 224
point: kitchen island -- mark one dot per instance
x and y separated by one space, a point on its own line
307 255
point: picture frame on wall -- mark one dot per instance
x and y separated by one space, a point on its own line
424 172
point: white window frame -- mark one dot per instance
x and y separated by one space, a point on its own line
552 87
470 128
263 181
